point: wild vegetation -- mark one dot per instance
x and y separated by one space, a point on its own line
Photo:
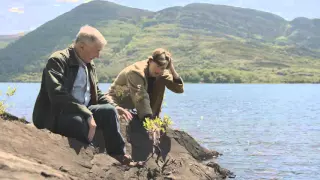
209 43
3 101
157 124
7 39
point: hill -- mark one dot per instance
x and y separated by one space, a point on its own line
210 43
7 39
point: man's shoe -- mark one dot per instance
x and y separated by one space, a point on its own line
127 160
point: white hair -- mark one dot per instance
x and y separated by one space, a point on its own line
89 34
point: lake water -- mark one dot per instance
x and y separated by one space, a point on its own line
263 131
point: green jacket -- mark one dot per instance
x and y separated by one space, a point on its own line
55 96
130 89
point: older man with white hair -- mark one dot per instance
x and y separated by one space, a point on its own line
70 102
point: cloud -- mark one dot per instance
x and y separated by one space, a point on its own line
16 10
21 33
86 1
67 1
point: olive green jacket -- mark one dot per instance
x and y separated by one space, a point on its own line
129 90
55 96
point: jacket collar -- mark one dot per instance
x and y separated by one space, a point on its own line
73 57
146 71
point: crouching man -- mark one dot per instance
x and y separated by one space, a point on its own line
140 87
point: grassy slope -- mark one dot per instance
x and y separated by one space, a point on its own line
209 43
7 39
3 44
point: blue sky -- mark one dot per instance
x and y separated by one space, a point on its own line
25 15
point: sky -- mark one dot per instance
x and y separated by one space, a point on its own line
25 15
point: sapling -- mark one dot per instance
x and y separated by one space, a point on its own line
3 103
155 127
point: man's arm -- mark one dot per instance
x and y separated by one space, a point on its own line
139 94
172 80
57 92
103 99
175 84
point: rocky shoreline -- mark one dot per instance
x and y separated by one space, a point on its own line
29 153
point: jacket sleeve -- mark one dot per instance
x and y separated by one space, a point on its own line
139 94
175 85
57 92
104 99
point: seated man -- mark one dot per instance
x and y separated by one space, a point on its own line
141 86
70 102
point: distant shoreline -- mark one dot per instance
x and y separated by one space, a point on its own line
186 82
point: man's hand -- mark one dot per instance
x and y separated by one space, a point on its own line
92 128
124 113
173 71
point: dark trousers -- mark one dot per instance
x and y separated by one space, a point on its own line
142 146
105 116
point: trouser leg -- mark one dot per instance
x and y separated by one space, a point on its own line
139 140
74 126
106 118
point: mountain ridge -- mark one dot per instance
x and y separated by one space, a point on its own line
9 38
229 44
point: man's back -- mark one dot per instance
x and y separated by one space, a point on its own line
55 91
63 109
119 90
42 113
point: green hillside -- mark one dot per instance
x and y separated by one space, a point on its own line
210 43
7 39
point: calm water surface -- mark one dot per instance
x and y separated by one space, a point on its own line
263 131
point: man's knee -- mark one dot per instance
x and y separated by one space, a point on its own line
66 121
108 110
72 126
78 121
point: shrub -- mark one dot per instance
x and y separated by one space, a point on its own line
3 103
153 125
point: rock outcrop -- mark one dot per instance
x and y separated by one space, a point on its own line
29 153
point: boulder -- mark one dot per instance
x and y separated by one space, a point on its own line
30 153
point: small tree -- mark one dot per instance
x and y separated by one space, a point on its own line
157 124
3 102
154 128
